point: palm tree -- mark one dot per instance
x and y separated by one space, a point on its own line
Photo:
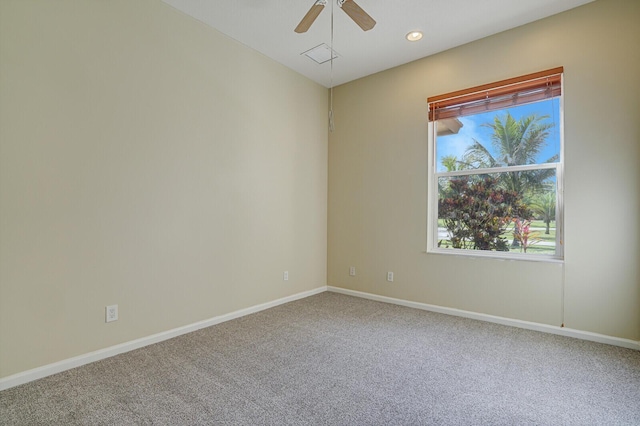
450 162
545 206
517 142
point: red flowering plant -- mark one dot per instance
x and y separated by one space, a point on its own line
523 234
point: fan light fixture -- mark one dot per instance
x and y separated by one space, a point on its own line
350 7
414 36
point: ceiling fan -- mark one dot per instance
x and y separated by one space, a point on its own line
350 7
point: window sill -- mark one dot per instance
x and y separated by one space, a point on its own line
502 256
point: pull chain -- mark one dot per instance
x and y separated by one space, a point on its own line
331 123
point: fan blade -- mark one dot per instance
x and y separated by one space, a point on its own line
358 15
310 17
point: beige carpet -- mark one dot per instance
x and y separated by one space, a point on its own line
332 359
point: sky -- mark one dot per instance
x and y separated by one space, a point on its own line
473 129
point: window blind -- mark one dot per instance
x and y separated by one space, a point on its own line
499 95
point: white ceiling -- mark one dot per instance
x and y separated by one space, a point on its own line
267 26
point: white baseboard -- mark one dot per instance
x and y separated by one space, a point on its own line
67 364
562 331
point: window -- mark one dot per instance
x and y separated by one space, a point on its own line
495 169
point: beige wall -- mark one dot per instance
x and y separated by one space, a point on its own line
150 162
378 175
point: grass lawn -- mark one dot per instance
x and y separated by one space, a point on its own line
545 244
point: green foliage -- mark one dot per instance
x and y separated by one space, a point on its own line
451 163
476 212
544 206
516 142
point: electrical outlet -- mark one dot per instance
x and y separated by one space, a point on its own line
111 313
285 276
390 277
352 271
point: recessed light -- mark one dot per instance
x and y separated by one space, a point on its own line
414 36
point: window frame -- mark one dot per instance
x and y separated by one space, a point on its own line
433 176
